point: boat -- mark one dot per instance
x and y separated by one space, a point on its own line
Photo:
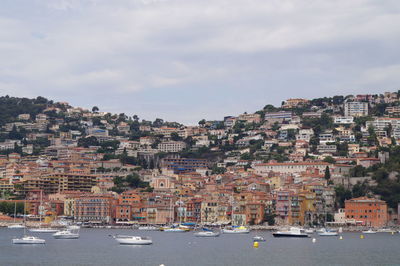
369 231
133 240
43 230
174 229
148 228
236 230
16 226
66 234
309 231
385 230
327 232
258 239
28 240
292 232
206 233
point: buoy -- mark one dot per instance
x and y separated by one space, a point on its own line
392 233
341 237
314 240
361 236
255 244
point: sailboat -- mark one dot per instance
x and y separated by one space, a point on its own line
42 229
27 239
235 229
15 225
179 228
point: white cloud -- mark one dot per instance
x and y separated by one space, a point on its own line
138 48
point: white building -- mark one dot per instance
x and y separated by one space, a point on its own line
344 120
171 146
355 109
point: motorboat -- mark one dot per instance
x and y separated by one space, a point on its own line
174 229
292 232
236 230
43 230
369 231
258 239
66 234
206 233
385 230
133 240
148 228
327 232
28 240
309 231
16 226
73 227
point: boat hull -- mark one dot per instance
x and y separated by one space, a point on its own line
290 235
16 226
43 230
328 234
123 241
72 236
28 241
203 234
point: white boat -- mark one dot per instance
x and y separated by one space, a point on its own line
148 228
309 231
326 232
28 240
43 230
259 239
133 240
236 230
206 234
174 230
66 234
369 231
292 232
16 226
386 230
73 227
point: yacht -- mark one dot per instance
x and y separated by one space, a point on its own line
292 232
327 232
16 226
133 240
148 228
309 231
66 234
43 230
174 229
28 240
206 233
369 231
236 230
258 239
385 230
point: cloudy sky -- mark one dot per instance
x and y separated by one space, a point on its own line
183 60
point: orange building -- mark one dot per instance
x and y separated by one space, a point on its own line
367 211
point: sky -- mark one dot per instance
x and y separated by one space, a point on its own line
185 60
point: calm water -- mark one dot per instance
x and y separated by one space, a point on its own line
95 247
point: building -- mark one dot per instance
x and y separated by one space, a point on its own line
265 168
355 109
178 165
344 120
171 146
94 208
367 211
278 115
291 103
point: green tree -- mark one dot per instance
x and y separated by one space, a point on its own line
327 175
